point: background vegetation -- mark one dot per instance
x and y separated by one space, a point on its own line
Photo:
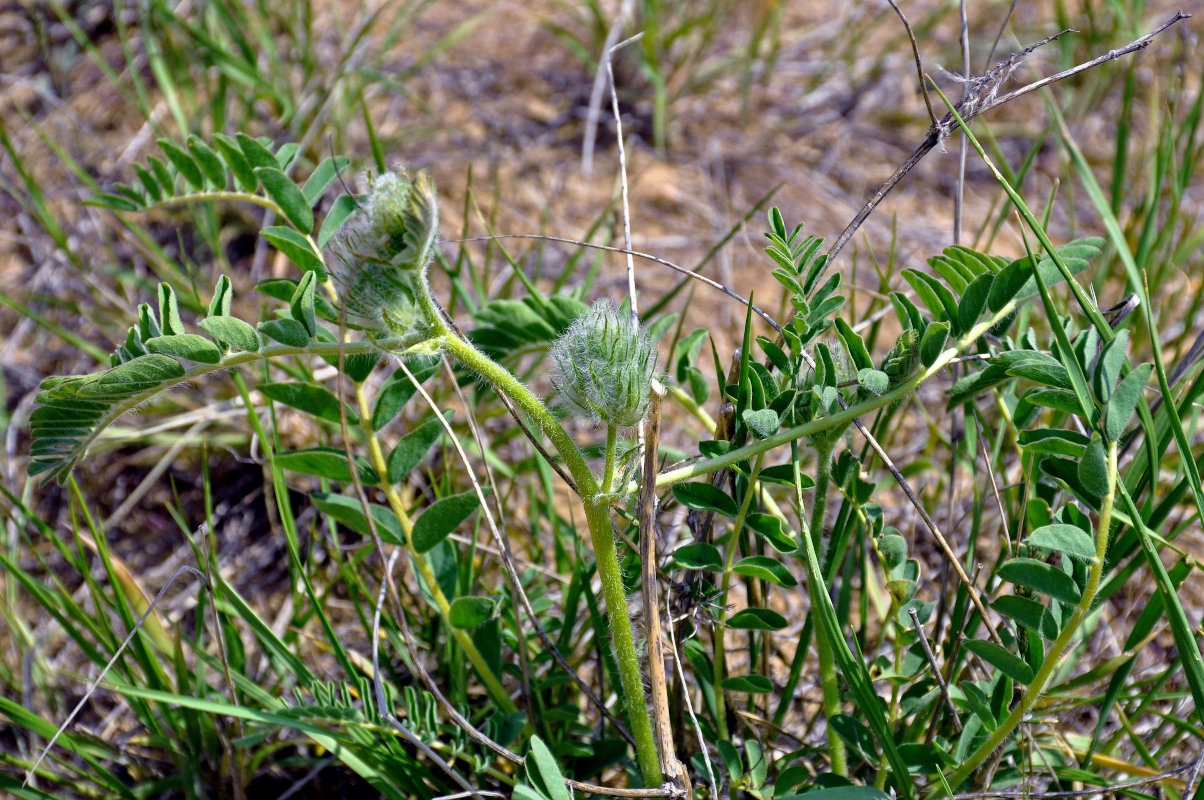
253 674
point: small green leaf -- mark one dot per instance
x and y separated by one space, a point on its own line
892 549
208 161
1108 367
763 423
285 331
397 389
183 162
163 175
257 155
874 381
979 704
1124 399
310 398
933 343
169 312
1093 469
344 206
699 555
325 462
186 345
219 305
348 511
295 247
1058 399
705 497
1054 441
767 569
286 194
856 735
322 176
759 619
233 332
113 201
784 474
469 612
748 684
769 528
1003 660
1029 613
153 190
1042 577
1050 373
855 346
441 519
1059 538
302 303
286 154
234 158
973 301
140 374
413 448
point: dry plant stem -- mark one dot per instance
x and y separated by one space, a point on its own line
502 540
105 671
597 514
936 669
382 706
673 769
648 256
829 681
1057 649
491 681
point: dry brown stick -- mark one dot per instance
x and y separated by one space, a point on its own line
664 262
982 94
1194 764
674 771
915 52
936 668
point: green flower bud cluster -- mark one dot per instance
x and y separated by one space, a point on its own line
380 258
606 365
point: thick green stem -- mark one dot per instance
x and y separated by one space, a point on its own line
829 681
1056 650
597 515
608 464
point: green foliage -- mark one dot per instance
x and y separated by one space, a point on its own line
777 546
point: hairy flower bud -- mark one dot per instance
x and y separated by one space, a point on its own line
605 364
380 258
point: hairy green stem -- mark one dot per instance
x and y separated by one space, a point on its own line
829 681
1056 650
597 515
608 463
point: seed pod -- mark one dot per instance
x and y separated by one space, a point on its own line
605 364
380 258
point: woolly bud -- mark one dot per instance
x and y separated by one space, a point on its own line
606 364
380 258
